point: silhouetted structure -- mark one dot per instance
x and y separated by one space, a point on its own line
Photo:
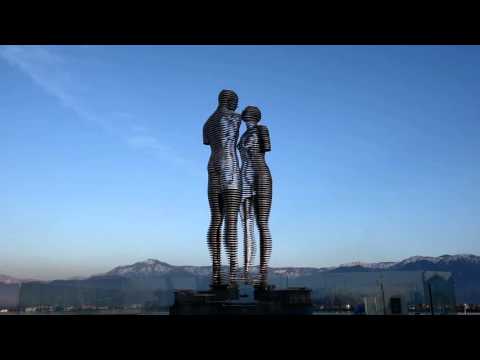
230 186
256 190
224 189
267 301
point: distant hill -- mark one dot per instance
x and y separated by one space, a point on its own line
5 279
10 290
153 279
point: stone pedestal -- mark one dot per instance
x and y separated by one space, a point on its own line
227 300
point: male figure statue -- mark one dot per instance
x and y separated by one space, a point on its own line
224 188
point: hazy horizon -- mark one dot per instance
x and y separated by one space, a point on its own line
102 157
100 272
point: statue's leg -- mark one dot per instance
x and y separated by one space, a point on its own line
247 212
231 204
213 236
243 216
263 203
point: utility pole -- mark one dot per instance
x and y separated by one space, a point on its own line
19 298
431 299
383 295
383 299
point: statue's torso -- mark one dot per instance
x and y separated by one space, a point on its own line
222 131
253 161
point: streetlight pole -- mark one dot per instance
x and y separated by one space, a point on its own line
383 295
431 299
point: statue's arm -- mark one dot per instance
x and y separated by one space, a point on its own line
205 135
264 137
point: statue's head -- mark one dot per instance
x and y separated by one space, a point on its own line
251 114
228 99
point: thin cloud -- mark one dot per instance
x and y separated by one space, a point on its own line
50 71
152 144
123 114
145 142
138 128
42 67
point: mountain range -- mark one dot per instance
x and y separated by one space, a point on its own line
5 279
153 279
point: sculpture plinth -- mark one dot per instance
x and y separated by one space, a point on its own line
267 301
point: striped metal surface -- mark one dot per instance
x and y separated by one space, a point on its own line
233 188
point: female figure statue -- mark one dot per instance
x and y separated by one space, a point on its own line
256 190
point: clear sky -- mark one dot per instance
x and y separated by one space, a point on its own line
374 152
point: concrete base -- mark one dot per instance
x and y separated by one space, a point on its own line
237 300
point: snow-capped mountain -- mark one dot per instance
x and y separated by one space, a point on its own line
142 268
444 259
152 267
139 282
378 266
9 280
444 262
5 279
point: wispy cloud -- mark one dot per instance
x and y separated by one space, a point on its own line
44 68
150 143
138 128
145 141
123 114
52 73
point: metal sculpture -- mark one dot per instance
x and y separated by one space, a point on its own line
221 132
256 190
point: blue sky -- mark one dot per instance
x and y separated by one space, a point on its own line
374 152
